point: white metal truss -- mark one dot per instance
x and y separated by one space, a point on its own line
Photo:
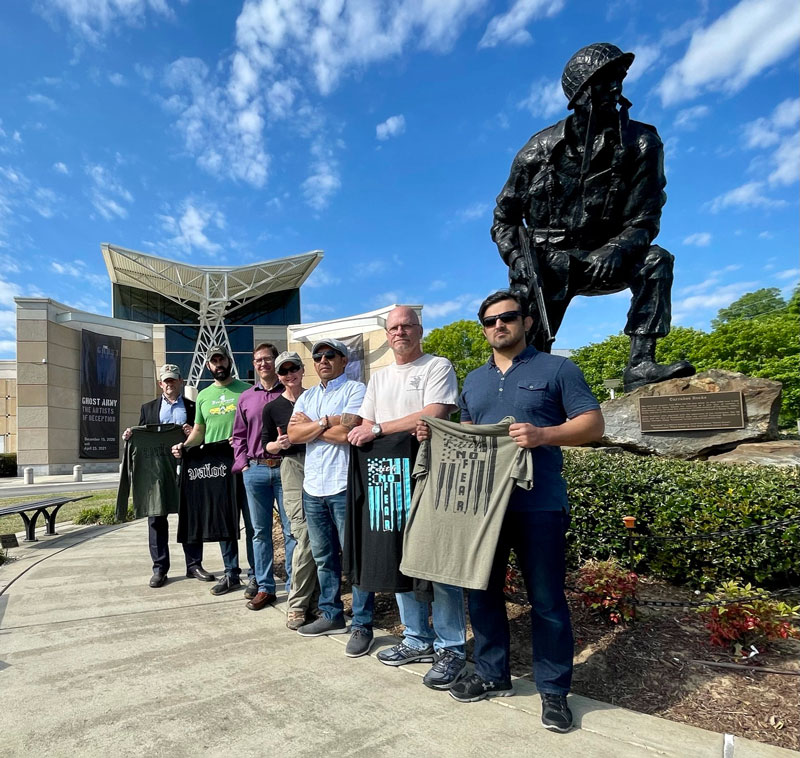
212 293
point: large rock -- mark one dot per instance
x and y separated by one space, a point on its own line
762 399
784 453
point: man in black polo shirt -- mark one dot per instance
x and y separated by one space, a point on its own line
553 406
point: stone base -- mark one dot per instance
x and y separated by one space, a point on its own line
762 400
783 453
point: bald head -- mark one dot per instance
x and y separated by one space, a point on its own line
404 333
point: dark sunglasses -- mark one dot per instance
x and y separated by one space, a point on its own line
509 317
329 354
283 370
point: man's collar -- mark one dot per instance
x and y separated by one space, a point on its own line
273 388
177 399
334 383
522 357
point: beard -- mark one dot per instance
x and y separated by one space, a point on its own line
221 373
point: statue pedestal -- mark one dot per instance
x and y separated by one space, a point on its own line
762 402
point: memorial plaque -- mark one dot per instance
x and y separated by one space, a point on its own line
8 540
693 412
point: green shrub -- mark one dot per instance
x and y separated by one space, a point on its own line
670 497
8 464
104 514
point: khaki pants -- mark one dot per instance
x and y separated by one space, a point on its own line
305 590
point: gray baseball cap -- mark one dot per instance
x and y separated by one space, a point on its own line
288 356
217 350
337 345
169 371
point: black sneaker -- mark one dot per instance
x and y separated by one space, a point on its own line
226 584
323 626
472 688
359 643
251 590
556 715
447 670
401 654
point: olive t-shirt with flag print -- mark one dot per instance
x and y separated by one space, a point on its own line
216 409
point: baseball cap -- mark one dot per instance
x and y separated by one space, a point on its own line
337 345
217 350
169 371
287 356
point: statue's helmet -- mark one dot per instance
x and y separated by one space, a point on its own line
585 64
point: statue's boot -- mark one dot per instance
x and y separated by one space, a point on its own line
650 372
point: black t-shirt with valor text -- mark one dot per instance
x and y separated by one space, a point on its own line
379 491
208 504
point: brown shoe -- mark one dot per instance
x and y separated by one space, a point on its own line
260 600
296 619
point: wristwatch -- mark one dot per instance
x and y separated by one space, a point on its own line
323 422
376 430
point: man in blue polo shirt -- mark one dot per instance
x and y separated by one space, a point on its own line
553 406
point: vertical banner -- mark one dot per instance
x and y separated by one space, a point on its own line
99 411
355 357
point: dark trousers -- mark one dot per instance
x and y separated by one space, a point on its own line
538 539
158 537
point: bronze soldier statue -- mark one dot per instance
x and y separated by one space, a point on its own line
581 208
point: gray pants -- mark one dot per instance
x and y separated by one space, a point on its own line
305 591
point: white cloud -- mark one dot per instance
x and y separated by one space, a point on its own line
107 193
61 168
8 291
789 273
509 27
473 212
437 284
730 52
546 98
43 100
688 117
321 278
94 19
646 56
370 268
707 299
188 227
117 79
323 182
394 126
698 239
461 305
77 270
749 195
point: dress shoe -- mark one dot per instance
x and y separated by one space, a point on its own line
158 579
226 584
260 600
198 572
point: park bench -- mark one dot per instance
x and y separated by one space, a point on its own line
49 508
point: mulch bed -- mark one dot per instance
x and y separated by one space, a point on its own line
646 666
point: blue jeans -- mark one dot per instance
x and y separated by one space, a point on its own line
230 548
449 620
538 540
263 486
325 517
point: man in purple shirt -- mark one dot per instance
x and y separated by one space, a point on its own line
262 477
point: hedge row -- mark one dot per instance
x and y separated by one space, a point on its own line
670 497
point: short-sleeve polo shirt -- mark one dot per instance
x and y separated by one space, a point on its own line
540 389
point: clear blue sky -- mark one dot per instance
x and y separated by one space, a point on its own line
381 132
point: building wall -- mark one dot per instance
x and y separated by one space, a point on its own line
48 385
8 415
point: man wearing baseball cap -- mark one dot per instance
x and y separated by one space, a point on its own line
323 416
171 408
216 408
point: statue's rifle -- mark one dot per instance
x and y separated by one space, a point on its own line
532 264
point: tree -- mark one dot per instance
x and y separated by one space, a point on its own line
462 342
758 303
603 360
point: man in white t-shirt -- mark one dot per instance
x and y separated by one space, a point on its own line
416 385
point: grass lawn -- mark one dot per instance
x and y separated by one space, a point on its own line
13 523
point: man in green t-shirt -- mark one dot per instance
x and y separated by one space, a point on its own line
215 411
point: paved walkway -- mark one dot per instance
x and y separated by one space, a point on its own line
94 662
44 485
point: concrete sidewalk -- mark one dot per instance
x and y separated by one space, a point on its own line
44 485
94 662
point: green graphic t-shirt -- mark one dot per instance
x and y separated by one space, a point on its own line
216 408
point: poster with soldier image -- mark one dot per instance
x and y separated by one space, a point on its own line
99 406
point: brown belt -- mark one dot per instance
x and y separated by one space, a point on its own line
271 462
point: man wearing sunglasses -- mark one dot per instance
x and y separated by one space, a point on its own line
323 417
262 478
553 406
415 385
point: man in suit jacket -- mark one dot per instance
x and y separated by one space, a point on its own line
171 408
